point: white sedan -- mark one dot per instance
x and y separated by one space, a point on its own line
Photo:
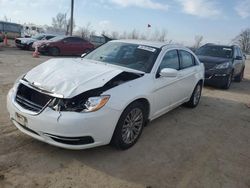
107 96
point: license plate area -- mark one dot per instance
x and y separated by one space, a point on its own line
21 119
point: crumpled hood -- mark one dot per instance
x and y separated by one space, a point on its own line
70 77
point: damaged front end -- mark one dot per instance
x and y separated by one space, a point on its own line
35 99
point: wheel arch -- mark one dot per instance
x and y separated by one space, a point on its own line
55 47
141 100
145 103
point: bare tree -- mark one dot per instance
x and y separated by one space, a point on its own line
243 40
85 31
163 35
60 21
155 35
143 37
123 35
114 35
5 18
68 25
133 35
103 32
197 41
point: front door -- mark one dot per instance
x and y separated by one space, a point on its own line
167 91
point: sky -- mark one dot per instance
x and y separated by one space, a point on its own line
218 21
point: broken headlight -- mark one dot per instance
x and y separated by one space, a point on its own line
16 83
96 103
92 104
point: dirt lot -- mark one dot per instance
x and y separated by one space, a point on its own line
204 147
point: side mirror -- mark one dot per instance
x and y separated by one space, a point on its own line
238 58
83 55
167 72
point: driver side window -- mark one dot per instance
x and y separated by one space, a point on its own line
170 60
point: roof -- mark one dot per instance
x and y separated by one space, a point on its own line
221 45
155 44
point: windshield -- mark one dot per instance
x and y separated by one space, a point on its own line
216 51
38 37
57 38
134 56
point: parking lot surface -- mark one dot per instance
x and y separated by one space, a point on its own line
208 146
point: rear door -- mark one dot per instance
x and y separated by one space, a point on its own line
66 46
83 46
77 46
187 74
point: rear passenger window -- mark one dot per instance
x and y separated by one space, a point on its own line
49 37
186 59
170 60
239 52
73 40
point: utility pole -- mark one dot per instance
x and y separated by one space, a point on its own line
71 17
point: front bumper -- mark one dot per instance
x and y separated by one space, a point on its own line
43 49
217 78
21 45
68 130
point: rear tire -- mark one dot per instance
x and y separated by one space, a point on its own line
129 126
240 77
195 98
54 51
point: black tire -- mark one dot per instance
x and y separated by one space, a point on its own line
54 51
240 77
195 98
30 47
228 81
124 130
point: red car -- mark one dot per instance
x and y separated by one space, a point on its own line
62 45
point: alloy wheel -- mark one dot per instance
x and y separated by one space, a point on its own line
197 94
229 80
132 125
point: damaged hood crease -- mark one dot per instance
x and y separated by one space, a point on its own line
71 77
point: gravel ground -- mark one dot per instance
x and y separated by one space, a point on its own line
204 147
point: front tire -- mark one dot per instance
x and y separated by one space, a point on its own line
54 51
30 47
129 126
228 81
195 98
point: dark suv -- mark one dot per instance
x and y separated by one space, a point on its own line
222 64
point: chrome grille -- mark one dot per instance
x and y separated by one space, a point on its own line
31 99
18 41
